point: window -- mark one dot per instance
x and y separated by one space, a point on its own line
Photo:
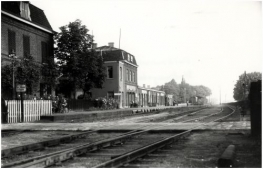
130 75
26 45
128 57
131 59
110 72
133 76
24 10
127 74
120 73
11 41
44 49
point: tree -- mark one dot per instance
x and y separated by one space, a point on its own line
78 62
242 85
91 75
26 71
183 92
49 71
202 91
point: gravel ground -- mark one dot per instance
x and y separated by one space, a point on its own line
90 138
15 139
202 150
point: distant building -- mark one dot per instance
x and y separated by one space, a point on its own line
150 97
26 31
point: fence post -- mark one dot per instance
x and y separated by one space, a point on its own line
19 112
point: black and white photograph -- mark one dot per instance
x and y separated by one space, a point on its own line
131 84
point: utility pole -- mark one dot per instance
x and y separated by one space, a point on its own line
120 39
220 96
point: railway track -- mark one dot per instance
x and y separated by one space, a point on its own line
110 152
57 141
124 160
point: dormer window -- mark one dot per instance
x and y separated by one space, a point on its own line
24 10
131 59
128 57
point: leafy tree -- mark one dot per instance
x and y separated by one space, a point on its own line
184 90
242 85
171 87
26 71
202 91
78 62
50 72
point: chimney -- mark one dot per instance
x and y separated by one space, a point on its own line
111 44
94 45
144 85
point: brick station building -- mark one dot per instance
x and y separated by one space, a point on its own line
26 31
122 80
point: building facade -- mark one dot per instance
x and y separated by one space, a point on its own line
26 31
122 80
150 97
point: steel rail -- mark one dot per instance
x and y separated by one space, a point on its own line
203 117
39 145
52 142
133 155
56 157
147 120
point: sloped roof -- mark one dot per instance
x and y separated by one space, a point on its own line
114 54
37 15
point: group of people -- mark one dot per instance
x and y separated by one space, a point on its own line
59 105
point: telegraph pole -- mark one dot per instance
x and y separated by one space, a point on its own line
220 96
120 39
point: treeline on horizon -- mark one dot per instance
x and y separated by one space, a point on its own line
179 91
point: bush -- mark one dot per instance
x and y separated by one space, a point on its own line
105 103
134 104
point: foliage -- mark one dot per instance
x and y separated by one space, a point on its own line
172 88
183 92
105 103
26 71
242 85
50 72
78 62
59 103
134 104
6 79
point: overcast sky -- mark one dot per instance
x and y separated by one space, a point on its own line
210 43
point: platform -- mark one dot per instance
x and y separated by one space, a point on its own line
238 125
91 116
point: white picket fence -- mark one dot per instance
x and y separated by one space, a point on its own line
33 109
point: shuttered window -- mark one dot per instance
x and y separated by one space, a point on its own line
11 41
44 52
26 44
